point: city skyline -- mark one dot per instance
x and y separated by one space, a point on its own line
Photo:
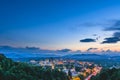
58 24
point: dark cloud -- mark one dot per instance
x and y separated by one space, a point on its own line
112 29
89 49
6 47
64 50
77 51
115 26
87 24
117 34
94 34
88 40
23 49
111 40
95 24
108 50
29 50
32 48
114 39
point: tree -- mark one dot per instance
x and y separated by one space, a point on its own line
70 74
81 77
10 70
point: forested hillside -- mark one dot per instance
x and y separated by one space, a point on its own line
108 74
10 70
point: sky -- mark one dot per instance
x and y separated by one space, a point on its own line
61 24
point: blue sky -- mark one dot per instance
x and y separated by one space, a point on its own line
58 24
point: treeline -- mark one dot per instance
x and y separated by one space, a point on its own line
108 74
10 70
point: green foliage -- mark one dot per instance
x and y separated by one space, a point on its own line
108 74
77 69
10 70
81 77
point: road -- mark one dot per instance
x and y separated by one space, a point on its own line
96 71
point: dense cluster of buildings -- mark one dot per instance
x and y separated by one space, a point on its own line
69 66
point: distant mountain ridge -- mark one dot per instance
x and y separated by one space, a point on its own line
37 56
86 56
36 53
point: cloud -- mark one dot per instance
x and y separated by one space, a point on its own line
32 48
10 49
77 51
117 34
114 39
108 50
114 27
111 40
88 24
90 49
23 49
64 50
94 34
88 40
93 24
